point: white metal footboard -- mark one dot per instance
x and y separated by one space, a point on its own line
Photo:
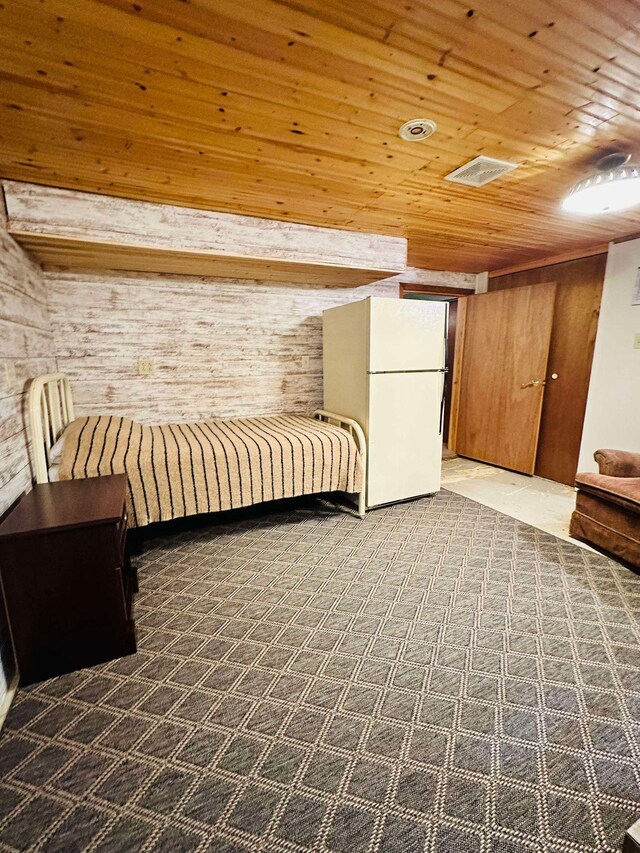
354 428
50 412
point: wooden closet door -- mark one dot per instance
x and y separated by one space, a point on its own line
575 321
499 385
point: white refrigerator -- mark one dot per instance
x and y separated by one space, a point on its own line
384 366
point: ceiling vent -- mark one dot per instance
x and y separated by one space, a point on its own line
479 171
417 129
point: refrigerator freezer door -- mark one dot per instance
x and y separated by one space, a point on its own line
405 445
406 334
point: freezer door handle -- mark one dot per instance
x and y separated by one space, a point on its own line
445 361
446 368
445 343
417 370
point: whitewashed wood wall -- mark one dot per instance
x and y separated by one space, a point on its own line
27 345
220 347
49 212
89 231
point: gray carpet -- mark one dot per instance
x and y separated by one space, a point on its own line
439 677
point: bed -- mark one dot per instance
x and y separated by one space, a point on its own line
181 469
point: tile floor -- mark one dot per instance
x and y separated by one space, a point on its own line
541 503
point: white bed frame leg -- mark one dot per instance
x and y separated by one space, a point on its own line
354 428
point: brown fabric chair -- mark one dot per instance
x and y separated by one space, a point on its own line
607 512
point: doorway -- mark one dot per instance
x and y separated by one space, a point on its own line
449 296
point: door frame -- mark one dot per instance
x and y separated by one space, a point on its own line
435 290
458 294
456 375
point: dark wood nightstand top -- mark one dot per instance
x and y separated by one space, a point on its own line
69 503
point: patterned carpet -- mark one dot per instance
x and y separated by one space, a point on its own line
439 677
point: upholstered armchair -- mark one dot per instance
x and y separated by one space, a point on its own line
607 512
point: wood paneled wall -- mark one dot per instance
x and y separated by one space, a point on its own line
220 347
26 346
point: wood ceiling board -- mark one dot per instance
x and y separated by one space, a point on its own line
210 86
271 30
305 93
325 175
236 181
546 262
348 73
554 47
226 72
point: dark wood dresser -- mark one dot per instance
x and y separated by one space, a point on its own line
67 580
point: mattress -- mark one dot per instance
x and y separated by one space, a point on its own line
182 469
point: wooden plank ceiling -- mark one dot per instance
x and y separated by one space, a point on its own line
290 110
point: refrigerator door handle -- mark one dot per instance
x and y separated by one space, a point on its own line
442 401
446 368
402 372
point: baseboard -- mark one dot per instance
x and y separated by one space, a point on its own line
8 699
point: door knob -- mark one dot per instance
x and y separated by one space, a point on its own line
532 383
554 375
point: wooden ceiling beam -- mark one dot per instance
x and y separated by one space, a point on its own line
555 259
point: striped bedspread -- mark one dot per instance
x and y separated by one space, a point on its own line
188 468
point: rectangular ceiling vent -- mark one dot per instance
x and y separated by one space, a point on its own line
479 171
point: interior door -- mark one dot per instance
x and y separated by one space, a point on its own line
501 375
405 443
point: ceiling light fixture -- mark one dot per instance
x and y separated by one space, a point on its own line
417 129
615 186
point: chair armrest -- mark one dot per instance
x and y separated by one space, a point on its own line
618 463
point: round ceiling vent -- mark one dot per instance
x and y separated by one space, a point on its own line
417 129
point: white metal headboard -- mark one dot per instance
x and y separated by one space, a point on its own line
50 411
